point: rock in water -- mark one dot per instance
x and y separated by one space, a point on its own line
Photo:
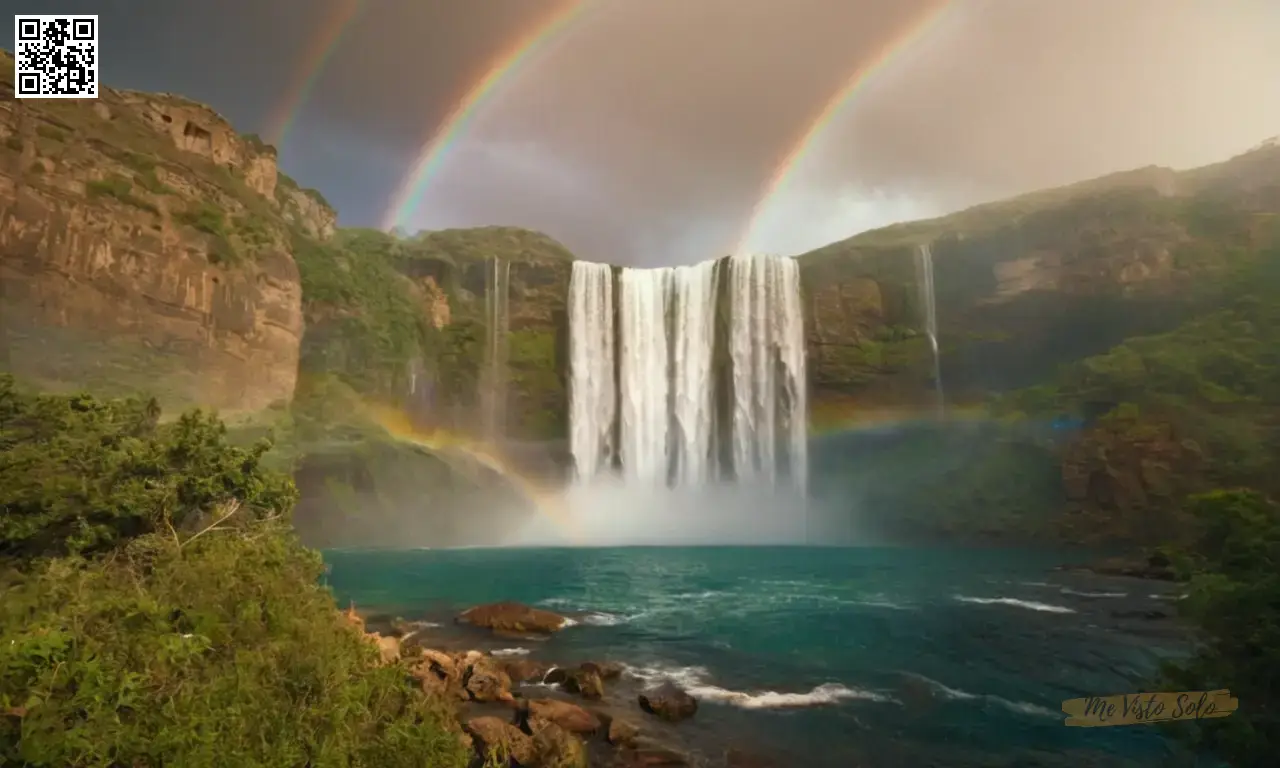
510 616
585 683
497 739
607 670
622 733
669 703
570 717
525 670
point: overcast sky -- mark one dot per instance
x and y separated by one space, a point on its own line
646 131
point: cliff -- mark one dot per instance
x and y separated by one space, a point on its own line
1123 330
1027 284
144 244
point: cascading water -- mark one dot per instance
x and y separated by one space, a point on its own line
693 386
645 381
593 399
928 303
494 389
670 388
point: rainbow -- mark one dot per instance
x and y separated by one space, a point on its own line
880 62
334 27
443 137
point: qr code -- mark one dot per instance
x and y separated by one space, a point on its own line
56 57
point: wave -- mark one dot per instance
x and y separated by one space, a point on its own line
510 652
1030 605
603 619
955 694
694 681
1070 591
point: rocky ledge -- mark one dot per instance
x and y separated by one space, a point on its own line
533 713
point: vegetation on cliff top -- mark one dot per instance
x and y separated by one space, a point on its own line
159 610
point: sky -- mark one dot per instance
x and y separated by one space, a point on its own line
661 132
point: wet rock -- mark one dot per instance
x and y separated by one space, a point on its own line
555 747
484 679
525 670
585 683
622 733
510 616
555 676
669 703
496 740
566 715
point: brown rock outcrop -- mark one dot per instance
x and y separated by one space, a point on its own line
142 248
668 703
570 717
510 616
496 740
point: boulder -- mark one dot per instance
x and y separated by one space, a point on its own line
554 747
388 648
555 676
525 670
669 703
435 672
566 715
496 740
585 683
510 616
622 733
485 680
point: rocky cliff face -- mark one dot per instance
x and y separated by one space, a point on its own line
143 246
1025 285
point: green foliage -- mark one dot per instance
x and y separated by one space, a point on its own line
204 638
363 322
538 383
1234 601
206 217
118 188
149 181
80 476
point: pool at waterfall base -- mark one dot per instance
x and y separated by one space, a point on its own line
822 657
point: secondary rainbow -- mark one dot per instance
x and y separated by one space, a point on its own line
801 148
342 14
443 137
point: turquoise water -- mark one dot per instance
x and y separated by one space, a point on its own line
829 656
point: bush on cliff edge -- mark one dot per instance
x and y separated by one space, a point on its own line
158 610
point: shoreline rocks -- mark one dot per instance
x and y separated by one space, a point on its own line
511 617
546 731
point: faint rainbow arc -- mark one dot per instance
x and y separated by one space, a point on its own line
801 148
315 59
445 135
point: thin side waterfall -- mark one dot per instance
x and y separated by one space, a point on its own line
645 384
672 326
928 302
494 390
593 387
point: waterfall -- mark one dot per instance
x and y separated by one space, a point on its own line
669 389
593 398
928 303
645 384
693 385
494 386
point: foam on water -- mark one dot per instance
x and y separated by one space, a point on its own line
1030 605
